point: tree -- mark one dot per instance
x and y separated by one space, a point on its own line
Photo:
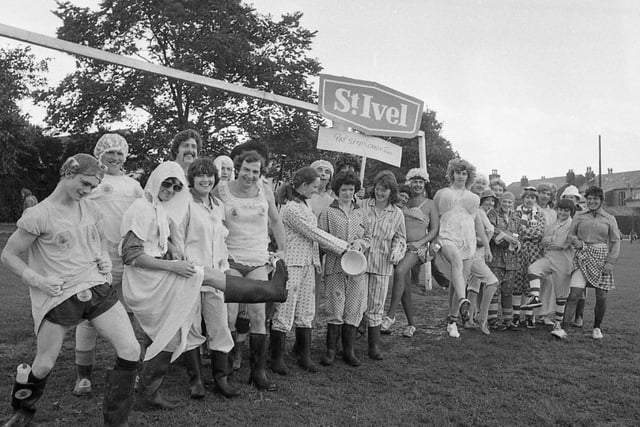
439 152
20 76
225 40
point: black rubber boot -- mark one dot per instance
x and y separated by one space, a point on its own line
118 397
333 336
151 378
303 336
220 370
240 289
231 356
84 372
23 400
374 343
278 344
193 364
258 362
348 341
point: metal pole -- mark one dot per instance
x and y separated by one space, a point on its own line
599 162
422 150
112 58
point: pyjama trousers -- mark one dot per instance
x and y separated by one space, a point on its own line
345 298
300 306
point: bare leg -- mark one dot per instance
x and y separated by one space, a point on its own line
114 325
400 282
50 338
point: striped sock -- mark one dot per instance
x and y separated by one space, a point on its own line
494 306
560 304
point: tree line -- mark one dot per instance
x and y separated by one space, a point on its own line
228 41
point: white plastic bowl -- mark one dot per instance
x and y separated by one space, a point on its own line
353 263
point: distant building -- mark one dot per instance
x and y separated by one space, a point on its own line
621 192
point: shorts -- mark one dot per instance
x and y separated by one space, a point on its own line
243 268
72 311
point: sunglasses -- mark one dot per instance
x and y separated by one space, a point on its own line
168 184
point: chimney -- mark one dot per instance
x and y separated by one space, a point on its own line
609 171
494 174
524 181
543 177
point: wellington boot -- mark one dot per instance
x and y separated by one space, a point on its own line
118 397
23 401
151 378
240 289
193 363
348 341
278 345
82 386
374 343
303 336
220 370
258 361
232 355
333 336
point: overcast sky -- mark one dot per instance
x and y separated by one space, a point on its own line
524 87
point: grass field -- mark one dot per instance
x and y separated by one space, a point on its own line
523 378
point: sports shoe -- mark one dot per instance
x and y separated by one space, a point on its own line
529 323
532 302
82 387
452 330
558 332
513 325
463 308
577 323
387 323
597 334
409 331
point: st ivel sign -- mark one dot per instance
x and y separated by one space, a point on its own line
369 107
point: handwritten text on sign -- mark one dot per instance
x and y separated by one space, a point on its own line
361 145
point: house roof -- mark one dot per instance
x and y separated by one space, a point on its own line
616 181
610 181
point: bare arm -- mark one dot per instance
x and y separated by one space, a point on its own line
275 224
18 243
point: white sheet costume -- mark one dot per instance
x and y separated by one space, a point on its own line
165 304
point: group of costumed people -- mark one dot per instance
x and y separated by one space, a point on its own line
207 254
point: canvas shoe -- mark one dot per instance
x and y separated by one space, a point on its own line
409 331
577 323
532 302
597 334
452 330
387 323
529 324
558 332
